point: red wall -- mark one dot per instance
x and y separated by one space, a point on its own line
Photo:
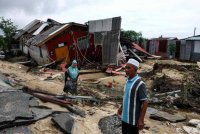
57 40
67 38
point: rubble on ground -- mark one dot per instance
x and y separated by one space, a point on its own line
16 130
110 125
173 88
65 121
164 116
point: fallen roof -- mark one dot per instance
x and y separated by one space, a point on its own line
137 47
31 24
134 45
41 39
28 28
40 28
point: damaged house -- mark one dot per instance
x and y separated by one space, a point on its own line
165 47
60 42
53 41
190 48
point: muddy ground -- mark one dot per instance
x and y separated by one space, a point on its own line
160 76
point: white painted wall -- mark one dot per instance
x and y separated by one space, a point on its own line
35 54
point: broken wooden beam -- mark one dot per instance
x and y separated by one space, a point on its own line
63 103
167 93
135 55
79 98
52 99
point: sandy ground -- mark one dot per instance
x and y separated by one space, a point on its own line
31 80
88 125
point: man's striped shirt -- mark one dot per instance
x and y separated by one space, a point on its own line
134 95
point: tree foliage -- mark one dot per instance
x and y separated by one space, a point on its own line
172 48
9 29
135 36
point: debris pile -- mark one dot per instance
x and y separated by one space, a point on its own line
16 109
110 125
175 89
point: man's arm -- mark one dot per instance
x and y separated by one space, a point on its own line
143 110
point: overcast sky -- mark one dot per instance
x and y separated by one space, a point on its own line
169 18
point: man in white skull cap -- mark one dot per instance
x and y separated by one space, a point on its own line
135 104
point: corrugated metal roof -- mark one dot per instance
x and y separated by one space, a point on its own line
59 29
40 28
193 38
17 35
41 37
30 25
35 27
28 28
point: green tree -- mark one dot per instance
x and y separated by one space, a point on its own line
135 36
9 30
2 42
172 48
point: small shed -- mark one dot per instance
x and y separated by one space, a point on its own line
190 48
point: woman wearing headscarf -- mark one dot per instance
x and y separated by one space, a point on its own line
71 77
